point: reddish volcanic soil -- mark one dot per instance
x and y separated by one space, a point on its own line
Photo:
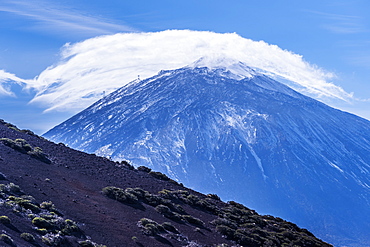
73 182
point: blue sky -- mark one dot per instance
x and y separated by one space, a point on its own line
332 35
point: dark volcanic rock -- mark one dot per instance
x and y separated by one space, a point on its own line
74 181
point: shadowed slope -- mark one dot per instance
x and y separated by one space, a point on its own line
73 181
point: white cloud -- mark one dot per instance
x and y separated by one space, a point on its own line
6 80
50 17
102 64
342 24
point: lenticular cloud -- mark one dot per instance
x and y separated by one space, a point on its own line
97 66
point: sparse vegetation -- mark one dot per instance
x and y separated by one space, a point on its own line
169 227
22 146
214 196
150 227
7 239
126 164
4 220
53 228
193 220
144 169
28 237
185 214
235 221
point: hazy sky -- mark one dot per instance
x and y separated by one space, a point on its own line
331 35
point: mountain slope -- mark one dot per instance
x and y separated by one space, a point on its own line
51 195
244 136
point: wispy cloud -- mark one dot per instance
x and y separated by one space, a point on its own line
103 64
341 24
48 16
6 81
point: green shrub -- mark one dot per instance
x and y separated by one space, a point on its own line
214 196
37 153
22 146
131 198
169 227
191 199
150 227
4 220
86 243
238 205
120 195
175 217
144 169
7 239
28 237
48 206
14 189
205 204
54 240
153 200
159 175
225 230
42 231
14 145
42 223
127 165
162 209
70 228
225 222
139 192
29 205
166 194
192 220
26 202
247 240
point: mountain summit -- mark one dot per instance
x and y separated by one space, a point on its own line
222 127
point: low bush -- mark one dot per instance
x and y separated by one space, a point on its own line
70 228
154 200
28 237
225 230
37 153
192 220
150 227
144 169
214 196
7 239
120 195
42 231
24 202
127 165
225 222
49 206
159 175
169 227
86 243
22 146
162 209
42 223
4 220
14 189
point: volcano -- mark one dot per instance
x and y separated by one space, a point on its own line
225 128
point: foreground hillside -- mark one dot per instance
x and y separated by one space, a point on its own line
51 195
